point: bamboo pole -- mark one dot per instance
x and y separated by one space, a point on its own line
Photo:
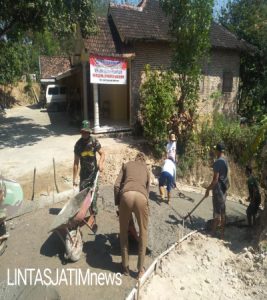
33 184
55 179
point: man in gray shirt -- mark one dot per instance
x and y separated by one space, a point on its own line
219 186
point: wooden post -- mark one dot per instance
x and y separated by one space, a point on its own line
55 179
33 184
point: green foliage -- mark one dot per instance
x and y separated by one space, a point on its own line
243 143
61 16
157 106
257 142
190 29
228 130
39 27
13 61
247 19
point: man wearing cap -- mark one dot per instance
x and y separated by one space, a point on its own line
85 153
171 147
219 186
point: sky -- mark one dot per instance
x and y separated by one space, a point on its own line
218 4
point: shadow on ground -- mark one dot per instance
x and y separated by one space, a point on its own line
53 246
22 131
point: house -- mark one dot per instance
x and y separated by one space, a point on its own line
133 36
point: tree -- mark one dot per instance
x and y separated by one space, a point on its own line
247 19
190 22
157 106
39 27
13 59
61 16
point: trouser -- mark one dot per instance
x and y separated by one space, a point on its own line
137 203
252 212
86 183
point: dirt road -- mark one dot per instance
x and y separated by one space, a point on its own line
31 246
31 138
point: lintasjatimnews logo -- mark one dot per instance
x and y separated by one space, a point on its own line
55 277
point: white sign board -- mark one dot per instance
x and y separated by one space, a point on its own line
108 70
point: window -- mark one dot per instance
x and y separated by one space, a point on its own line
63 90
53 91
227 85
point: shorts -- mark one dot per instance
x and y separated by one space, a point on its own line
218 201
166 179
252 209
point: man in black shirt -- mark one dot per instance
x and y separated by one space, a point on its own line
85 154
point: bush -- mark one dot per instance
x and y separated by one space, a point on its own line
157 106
237 141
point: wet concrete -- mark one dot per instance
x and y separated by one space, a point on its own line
31 246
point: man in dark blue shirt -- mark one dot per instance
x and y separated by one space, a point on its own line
219 186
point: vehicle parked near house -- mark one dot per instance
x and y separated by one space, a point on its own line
55 96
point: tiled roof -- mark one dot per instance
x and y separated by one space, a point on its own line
51 66
149 22
107 41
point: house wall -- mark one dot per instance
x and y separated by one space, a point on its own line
211 98
155 54
114 98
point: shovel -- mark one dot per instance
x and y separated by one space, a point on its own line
189 214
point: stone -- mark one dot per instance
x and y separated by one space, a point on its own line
247 276
264 263
207 281
257 265
249 255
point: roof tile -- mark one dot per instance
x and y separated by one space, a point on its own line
51 66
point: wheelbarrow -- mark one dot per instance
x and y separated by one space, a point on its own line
11 197
71 218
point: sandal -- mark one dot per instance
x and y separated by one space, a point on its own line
125 270
141 273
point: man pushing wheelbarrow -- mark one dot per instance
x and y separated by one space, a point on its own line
85 151
74 213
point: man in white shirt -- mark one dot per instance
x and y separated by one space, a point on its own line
171 147
168 178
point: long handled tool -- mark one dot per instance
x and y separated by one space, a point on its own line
33 184
189 214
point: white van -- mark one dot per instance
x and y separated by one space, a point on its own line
55 93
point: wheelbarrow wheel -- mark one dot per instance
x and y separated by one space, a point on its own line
74 245
3 245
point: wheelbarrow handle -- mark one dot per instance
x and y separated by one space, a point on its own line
189 214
